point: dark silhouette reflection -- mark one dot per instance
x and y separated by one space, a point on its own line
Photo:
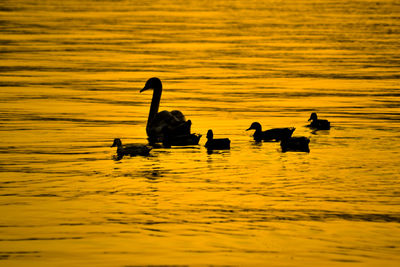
255 144
216 144
318 132
173 123
152 175
275 134
130 149
317 123
216 157
299 144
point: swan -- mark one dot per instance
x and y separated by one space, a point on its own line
317 123
130 149
298 143
159 122
216 144
276 134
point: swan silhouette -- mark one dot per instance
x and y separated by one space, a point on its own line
130 149
317 123
216 144
158 123
276 134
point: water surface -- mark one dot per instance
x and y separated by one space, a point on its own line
70 75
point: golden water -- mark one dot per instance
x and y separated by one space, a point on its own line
70 74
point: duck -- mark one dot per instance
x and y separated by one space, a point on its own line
298 143
269 135
130 149
172 139
317 123
216 144
174 120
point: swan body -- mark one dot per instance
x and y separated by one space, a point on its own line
130 149
299 144
317 123
217 144
275 134
157 122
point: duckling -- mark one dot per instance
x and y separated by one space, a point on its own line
216 144
298 143
276 134
317 123
179 140
130 149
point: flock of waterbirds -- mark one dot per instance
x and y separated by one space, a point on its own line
170 128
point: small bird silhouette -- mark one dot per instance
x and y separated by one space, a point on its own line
130 149
171 139
299 144
216 144
317 123
275 134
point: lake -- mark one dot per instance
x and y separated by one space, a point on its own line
70 75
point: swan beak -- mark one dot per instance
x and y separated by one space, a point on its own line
309 119
249 129
146 87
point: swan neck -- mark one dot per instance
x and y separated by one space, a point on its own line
155 104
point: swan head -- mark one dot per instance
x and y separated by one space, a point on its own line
255 126
313 117
117 143
152 83
210 134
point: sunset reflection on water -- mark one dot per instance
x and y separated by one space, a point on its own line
70 77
